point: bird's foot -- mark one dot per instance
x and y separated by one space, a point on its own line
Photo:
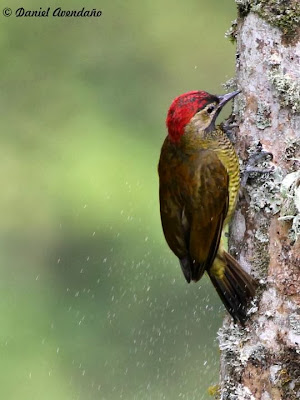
229 127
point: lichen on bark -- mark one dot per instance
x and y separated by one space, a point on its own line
283 14
287 87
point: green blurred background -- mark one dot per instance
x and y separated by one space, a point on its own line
93 303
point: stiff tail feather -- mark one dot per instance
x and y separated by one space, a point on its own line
236 288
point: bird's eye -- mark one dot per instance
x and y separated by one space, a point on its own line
210 109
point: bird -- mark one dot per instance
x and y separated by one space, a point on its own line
199 179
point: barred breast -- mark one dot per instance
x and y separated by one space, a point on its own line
230 160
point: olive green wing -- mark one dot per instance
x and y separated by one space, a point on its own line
207 207
193 206
176 229
171 212
174 222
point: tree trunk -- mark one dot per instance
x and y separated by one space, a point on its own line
262 360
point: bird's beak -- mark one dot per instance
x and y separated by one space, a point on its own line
223 99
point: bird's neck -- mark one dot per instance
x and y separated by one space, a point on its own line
194 138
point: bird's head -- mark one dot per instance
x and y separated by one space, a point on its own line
197 107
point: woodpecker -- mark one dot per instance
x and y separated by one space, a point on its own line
198 188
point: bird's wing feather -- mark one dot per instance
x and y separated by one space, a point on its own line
171 207
171 213
207 207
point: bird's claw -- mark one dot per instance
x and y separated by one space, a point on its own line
229 127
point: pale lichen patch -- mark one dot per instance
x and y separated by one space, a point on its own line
287 87
290 210
262 236
264 185
294 320
230 84
263 116
260 261
274 370
264 190
292 150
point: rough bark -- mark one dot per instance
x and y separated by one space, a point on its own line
262 360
